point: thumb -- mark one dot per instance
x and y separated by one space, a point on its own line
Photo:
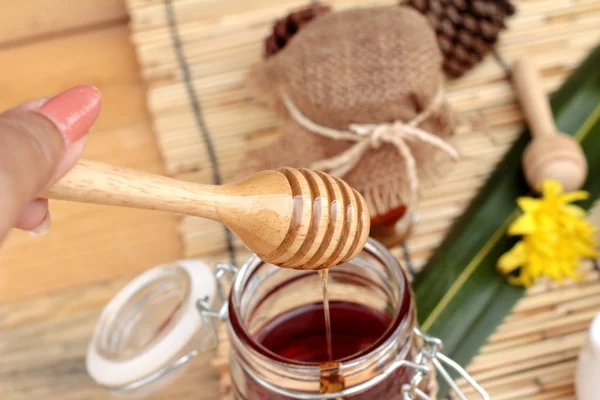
35 142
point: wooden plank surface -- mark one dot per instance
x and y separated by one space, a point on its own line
102 57
44 341
53 288
30 19
88 243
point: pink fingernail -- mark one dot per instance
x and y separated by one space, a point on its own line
73 111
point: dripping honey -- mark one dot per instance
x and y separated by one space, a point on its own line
324 274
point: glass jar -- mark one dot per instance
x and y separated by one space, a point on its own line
395 227
170 315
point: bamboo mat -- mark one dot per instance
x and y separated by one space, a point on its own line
194 55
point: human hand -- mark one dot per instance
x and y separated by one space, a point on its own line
39 143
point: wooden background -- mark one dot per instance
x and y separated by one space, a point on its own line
53 288
60 45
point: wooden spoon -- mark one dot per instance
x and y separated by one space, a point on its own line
550 155
293 218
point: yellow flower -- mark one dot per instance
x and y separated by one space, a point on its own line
555 237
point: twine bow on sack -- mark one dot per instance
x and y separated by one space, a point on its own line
369 136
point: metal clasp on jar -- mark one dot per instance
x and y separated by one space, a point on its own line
430 353
222 271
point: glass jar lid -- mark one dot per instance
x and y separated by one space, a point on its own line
153 326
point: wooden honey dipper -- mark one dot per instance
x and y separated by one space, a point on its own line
293 218
550 155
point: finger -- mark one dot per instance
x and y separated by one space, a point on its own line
71 156
35 104
73 153
33 215
34 142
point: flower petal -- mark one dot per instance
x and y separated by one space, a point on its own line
555 237
528 204
575 196
517 281
523 225
512 259
574 211
551 188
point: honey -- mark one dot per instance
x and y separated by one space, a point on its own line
324 274
300 334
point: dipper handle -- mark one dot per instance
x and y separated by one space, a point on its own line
294 218
99 183
532 98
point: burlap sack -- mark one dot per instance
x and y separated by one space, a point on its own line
362 66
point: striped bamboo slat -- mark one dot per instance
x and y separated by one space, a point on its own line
194 56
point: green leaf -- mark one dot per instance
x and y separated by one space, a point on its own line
461 297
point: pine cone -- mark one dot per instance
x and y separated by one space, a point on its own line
466 29
285 28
